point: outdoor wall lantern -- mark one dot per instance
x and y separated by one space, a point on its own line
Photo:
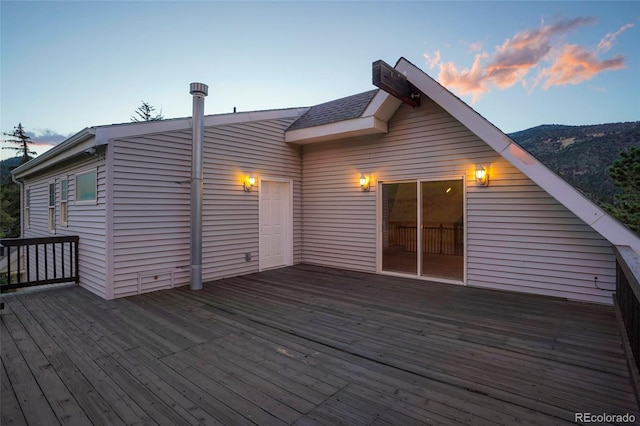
364 182
249 182
482 175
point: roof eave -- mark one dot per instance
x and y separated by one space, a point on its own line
339 130
60 152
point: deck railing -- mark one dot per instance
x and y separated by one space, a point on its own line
435 239
628 295
30 262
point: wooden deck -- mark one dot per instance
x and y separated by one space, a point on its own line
307 345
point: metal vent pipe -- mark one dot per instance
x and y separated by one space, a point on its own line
199 91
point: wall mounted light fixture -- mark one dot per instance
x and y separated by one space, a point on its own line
249 182
364 183
482 175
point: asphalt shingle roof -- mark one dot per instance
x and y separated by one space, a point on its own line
334 111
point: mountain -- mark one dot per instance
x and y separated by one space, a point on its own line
6 166
581 155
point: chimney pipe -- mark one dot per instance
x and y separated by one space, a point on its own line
199 91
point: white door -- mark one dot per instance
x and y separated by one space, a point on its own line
275 224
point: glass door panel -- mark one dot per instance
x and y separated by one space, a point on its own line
442 229
399 227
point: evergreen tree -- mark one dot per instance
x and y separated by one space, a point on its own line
9 190
9 210
625 172
23 142
145 112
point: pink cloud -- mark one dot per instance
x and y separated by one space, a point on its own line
575 64
471 81
607 41
520 59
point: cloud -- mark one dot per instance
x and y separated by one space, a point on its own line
575 64
607 41
530 58
46 137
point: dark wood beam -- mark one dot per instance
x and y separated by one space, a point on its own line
395 83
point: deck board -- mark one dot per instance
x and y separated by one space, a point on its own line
310 346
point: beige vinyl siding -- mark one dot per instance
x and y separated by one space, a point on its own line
231 215
150 212
151 202
85 220
518 237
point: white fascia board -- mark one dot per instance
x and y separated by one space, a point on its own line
101 135
74 145
107 133
558 188
382 106
339 130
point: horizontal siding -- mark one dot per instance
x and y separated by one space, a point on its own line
150 212
84 220
231 215
151 218
544 248
519 237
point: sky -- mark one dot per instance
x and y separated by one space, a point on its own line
69 65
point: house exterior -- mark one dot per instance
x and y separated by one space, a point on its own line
365 183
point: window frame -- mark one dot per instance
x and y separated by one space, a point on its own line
27 207
51 211
64 201
77 192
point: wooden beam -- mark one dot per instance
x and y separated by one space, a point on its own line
395 83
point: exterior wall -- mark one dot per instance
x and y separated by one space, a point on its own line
518 237
151 197
149 213
85 220
230 217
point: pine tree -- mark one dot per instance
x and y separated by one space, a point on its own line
145 113
23 142
9 210
9 190
625 172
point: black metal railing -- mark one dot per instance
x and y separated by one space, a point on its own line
628 295
38 261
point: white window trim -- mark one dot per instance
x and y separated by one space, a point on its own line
51 219
64 218
418 275
85 202
27 207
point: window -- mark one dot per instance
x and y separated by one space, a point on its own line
86 186
63 201
52 207
27 207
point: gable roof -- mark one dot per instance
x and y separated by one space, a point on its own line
602 222
383 105
338 110
362 114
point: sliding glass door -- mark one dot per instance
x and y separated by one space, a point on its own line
399 224
423 228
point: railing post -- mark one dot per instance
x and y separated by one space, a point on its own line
9 266
77 258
